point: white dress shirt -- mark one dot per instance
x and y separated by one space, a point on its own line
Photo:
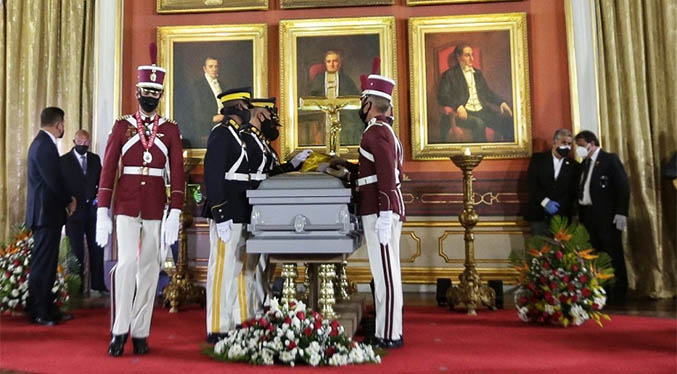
50 136
586 199
473 103
557 166
216 88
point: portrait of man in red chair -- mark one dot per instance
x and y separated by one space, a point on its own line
470 111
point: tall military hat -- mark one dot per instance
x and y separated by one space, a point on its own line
150 76
242 93
377 85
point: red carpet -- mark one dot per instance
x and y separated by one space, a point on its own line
436 341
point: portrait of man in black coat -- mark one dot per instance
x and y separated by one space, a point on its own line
552 182
47 206
464 93
81 170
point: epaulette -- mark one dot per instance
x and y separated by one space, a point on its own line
124 118
169 120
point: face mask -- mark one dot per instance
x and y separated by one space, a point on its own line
81 149
582 152
563 150
363 112
148 104
270 130
244 115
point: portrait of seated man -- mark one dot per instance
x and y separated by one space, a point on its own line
467 100
328 80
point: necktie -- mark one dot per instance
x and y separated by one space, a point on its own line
584 177
84 164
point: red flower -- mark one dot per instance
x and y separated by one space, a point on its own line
542 279
292 345
8 274
574 298
531 286
244 324
16 262
586 292
301 315
334 324
574 268
318 324
565 279
333 332
559 255
307 331
271 328
287 320
553 285
583 278
292 304
329 351
557 315
263 322
595 306
546 265
562 298
571 287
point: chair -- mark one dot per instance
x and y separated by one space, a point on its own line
445 61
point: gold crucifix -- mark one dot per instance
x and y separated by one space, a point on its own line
332 108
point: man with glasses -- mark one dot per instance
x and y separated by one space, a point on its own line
148 148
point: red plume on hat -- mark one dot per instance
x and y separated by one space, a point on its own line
375 67
151 76
376 84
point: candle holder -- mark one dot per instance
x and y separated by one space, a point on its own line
470 292
180 289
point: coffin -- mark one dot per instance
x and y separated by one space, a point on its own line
303 213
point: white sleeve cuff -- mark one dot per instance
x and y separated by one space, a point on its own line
545 202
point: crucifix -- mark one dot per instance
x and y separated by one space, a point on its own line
331 106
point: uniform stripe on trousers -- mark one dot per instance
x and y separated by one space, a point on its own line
242 290
112 297
216 290
387 277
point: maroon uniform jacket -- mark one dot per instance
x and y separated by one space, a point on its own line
380 170
139 194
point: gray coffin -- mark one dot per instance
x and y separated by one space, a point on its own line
302 213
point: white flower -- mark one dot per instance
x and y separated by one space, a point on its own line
300 306
579 314
314 359
338 360
15 293
290 335
274 305
522 313
220 346
549 309
18 269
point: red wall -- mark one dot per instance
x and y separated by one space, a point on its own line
548 67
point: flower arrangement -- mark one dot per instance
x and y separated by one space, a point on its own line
561 277
291 334
15 260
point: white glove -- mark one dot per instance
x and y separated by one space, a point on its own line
300 157
223 230
104 226
621 222
172 227
384 226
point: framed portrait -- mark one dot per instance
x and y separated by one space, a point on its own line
322 59
203 61
470 86
291 4
197 6
436 2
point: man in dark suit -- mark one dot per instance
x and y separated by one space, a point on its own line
463 92
47 206
603 196
82 170
204 106
552 179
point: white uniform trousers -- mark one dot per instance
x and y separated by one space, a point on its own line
226 286
384 261
264 276
134 278
249 278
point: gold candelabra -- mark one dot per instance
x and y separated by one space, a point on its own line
180 289
470 292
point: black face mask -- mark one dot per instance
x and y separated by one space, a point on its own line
270 130
363 113
563 151
245 115
81 149
148 104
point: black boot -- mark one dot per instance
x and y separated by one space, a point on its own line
140 346
117 345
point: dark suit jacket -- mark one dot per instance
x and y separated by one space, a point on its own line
196 121
453 89
346 85
47 197
609 187
83 187
542 184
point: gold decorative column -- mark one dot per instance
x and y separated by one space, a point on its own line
343 288
289 274
326 300
470 292
181 290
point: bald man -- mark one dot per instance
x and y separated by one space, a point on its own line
81 170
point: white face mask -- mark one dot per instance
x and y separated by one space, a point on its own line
582 152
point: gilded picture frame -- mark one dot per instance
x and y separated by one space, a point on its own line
438 2
241 53
303 47
294 4
200 6
495 46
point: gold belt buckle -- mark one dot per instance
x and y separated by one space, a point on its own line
144 170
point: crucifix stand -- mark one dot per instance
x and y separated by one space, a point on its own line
332 108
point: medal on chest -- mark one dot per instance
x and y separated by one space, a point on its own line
148 138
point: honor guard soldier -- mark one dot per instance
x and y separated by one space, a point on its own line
148 149
380 204
263 162
226 173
